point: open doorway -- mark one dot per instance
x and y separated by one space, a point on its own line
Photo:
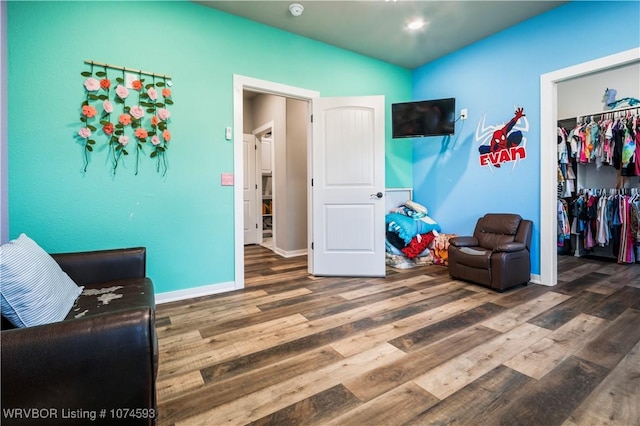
548 160
288 108
264 176
279 125
346 183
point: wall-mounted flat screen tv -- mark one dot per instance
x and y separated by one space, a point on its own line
417 119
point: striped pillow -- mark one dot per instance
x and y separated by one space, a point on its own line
33 290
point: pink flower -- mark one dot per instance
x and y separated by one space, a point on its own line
141 133
137 112
122 91
124 119
166 92
123 140
107 106
153 95
166 135
84 132
163 114
91 84
155 140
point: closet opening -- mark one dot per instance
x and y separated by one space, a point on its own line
597 188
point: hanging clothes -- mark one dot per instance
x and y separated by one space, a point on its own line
611 220
609 138
564 225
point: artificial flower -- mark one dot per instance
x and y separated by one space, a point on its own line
105 83
154 121
88 111
107 106
155 140
136 85
124 119
84 132
166 135
91 84
141 133
163 114
152 93
137 112
108 129
123 140
166 92
122 91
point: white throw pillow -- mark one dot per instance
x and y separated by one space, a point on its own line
33 288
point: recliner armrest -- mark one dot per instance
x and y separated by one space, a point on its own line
509 247
92 363
90 267
464 242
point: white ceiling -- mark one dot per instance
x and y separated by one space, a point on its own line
376 28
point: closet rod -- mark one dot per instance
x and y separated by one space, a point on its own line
612 191
117 67
610 110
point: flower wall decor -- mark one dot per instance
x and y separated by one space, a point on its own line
128 118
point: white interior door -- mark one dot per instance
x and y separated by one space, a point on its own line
348 185
249 190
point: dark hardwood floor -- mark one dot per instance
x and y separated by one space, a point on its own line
414 348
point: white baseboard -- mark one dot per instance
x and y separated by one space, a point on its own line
207 290
292 253
536 279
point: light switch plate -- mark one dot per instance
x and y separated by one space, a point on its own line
227 179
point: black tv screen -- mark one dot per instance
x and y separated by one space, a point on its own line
434 117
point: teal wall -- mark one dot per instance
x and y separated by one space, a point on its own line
490 78
186 218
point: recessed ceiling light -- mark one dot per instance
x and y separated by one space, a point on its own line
416 24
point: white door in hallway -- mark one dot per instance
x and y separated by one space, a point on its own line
348 185
249 191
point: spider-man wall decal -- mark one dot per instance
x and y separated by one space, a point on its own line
503 142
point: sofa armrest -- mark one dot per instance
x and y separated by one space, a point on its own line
90 364
464 242
100 266
510 247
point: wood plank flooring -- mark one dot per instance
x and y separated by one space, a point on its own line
414 348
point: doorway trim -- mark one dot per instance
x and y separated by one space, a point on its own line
548 157
241 83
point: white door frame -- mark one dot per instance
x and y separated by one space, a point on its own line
241 83
548 153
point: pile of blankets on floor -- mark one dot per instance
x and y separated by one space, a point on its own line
413 238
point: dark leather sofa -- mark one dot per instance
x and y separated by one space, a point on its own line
497 255
99 365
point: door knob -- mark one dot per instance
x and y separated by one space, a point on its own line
378 195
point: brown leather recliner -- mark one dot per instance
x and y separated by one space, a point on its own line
498 253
